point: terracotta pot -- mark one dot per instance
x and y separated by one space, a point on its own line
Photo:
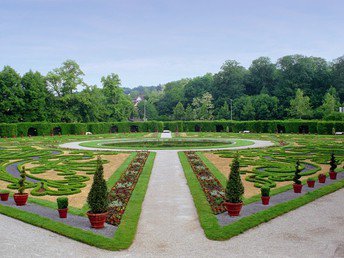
311 184
322 178
4 196
63 213
297 188
333 175
265 200
233 208
97 220
20 199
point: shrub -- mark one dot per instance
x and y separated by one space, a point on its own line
311 179
98 196
265 190
297 175
333 162
62 202
234 188
21 181
4 191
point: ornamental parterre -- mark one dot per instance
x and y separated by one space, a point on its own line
120 194
211 187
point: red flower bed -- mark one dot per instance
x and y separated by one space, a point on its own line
119 195
212 188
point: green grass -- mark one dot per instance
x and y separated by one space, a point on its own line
125 233
209 222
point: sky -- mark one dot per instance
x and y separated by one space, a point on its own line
154 42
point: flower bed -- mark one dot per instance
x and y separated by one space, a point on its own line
120 194
211 187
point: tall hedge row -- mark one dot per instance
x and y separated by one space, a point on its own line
282 126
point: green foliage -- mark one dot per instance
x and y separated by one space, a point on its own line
179 112
333 162
234 188
265 191
21 181
297 175
98 196
4 191
62 202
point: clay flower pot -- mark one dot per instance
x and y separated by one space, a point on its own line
20 199
233 208
4 196
97 220
333 175
297 188
310 183
322 178
265 200
63 213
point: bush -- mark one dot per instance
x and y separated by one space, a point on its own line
234 188
21 181
297 175
265 191
311 179
62 202
98 196
333 162
4 191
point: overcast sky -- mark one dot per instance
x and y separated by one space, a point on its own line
153 42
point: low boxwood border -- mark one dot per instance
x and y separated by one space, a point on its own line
210 224
125 233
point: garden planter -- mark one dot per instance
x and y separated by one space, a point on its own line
4 196
63 213
20 199
297 188
333 175
322 178
311 184
97 220
233 208
265 200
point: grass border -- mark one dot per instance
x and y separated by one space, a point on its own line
210 224
125 233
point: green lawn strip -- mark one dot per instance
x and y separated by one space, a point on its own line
209 222
125 233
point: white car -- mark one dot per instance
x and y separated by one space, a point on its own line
166 131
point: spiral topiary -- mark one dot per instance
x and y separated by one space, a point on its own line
333 162
21 181
297 175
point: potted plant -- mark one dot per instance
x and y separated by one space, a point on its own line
311 182
62 206
333 164
297 183
20 198
98 198
234 190
4 195
265 191
322 178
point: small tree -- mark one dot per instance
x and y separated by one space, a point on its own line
234 188
98 196
333 162
297 175
21 181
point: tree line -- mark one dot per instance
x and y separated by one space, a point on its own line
295 86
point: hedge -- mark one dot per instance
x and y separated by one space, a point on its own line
271 126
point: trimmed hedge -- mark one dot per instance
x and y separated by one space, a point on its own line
271 126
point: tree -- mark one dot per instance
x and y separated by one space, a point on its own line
265 107
224 112
234 188
179 112
330 103
151 111
204 107
11 96
338 76
300 107
189 113
35 94
196 87
248 112
97 198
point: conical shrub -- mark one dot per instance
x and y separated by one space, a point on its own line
297 175
234 188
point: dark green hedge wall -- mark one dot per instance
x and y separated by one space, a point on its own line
285 126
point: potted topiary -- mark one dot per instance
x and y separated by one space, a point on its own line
98 198
265 191
234 190
297 183
62 206
4 195
20 198
333 164
322 178
311 182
